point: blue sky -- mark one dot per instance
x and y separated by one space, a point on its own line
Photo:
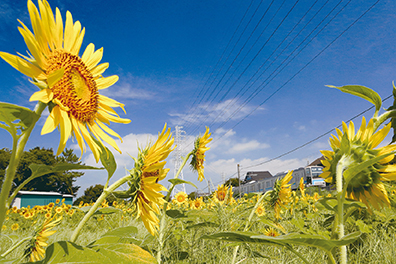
205 63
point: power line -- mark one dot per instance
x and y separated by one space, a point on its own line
313 140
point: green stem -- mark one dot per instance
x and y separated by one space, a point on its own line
248 223
18 145
98 202
15 246
340 208
163 224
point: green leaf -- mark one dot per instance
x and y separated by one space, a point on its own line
180 181
68 252
42 169
127 231
363 227
175 214
363 92
107 210
203 224
16 117
284 240
107 159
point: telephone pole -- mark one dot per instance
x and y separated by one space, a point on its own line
239 181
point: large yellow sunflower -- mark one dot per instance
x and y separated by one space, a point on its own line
280 195
150 165
69 84
198 158
367 185
181 198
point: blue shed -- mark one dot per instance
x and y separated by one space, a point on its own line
33 198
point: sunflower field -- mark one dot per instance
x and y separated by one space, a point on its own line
352 221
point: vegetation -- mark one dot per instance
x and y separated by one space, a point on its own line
60 181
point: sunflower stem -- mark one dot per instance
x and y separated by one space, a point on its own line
248 223
18 145
163 224
340 208
15 246
106 192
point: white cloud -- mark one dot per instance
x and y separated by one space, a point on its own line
218 112
247 146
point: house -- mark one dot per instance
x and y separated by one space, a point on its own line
33 198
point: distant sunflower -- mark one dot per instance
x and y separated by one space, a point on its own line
150 166
223 194
367 185
15 227
181 198
68 83
270 231
198 157
197 204
35 250
260 211
280 195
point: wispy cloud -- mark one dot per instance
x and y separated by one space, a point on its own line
216 112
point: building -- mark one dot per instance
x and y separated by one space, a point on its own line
33 198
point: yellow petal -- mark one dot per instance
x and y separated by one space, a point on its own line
21 65
88 53
95 59
65 130
52 121
44 96
103 83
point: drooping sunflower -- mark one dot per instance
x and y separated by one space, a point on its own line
69 83
280 195
35 251
198 157
150 167
181 198
367 186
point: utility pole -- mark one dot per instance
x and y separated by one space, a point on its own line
239 181
177 154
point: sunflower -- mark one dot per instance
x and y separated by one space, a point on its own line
270 231
197 204
223 194
15 227
181 198
150 168
35 250
367 186
302 187
198 157
280 195
260 211
69 84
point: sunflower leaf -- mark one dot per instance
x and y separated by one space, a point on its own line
14 118
363 92
107 159
68 252
180 181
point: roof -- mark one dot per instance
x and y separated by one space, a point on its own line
43 193
257 176
317 162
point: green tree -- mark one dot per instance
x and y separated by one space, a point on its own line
234 182
62 182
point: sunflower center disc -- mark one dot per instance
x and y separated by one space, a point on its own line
77 88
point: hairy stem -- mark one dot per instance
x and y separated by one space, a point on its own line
98 202
17 150
340 208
